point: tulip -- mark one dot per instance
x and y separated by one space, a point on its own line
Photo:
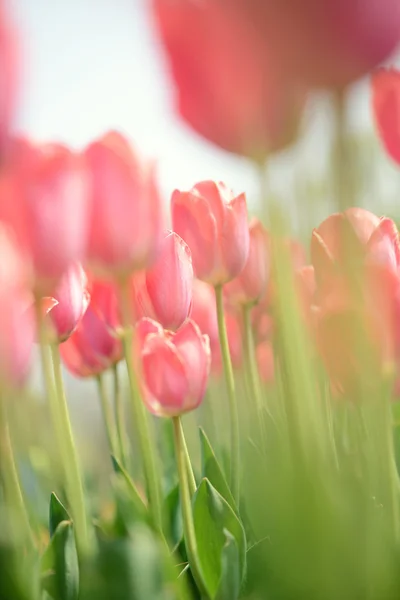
231 89
164 292
44 199
175 367
327 43
127 224
72 299
251 284
213 222
386 109
265 362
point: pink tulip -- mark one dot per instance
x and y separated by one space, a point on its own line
175 367
265 362
386 109
213 222
44 198
93 347
127 222
72 301
251 284
328 43
230 86
164 292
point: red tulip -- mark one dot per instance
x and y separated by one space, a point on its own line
231 89
72 298
44 199
175 367
164 292
94 347
327 42
251 284
213 222
386 109
127 224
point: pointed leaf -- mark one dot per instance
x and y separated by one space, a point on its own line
213 519
130 484
213 471
57 513
229 587
59 565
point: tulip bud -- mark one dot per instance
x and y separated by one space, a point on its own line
164 292
127 224
213 222
250 285
386 109
72 301
175 367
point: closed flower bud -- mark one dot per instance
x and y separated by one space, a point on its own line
72 299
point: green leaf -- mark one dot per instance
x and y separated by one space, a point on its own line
215 523
129 509
213 471
229 587
172 519
130 484
57 513
59 565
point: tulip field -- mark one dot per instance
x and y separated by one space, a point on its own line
248 381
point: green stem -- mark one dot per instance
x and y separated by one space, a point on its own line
342 157
12 486
392 474
69 455
107 414
187 515
230 384
120 419
192 479
140 415
252 371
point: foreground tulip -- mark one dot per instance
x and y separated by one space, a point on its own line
175 367
72 299
327 42
164 292
251 284
213 222
231 89
386 109
43 196
126 226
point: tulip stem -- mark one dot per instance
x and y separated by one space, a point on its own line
107 414
230 384
140 416
343 185
251 366
186 504
192 479
52 374
12 485
120 419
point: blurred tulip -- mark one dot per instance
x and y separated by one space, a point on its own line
251 284
8 70
213 222
94 347
44 199
175 367
17 322
231 89
127 222
72 301
164 292
386 109
328 43
265 362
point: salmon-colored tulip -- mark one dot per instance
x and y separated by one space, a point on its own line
386 109
327 42
44 198
164 292
94 346
213 222
72 298
127 223
251 284
174 366
230 86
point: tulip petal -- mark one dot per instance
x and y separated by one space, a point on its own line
386 108
235 239
384 244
